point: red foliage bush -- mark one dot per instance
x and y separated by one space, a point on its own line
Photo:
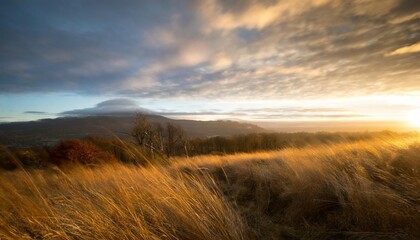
78 151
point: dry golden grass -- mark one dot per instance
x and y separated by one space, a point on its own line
114 202
366 190
356 190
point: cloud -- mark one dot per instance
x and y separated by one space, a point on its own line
282 113
35 112
405 50
110 107
374 8
210 49
256 14
221 61
122 106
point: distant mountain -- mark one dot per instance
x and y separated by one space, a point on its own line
49 131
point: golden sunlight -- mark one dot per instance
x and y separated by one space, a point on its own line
413 118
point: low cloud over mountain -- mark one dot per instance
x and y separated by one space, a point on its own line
109 107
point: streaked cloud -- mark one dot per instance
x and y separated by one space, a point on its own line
405 50
374 8
211 49
228 15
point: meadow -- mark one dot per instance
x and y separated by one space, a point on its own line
364 189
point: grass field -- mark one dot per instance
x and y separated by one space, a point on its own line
360 190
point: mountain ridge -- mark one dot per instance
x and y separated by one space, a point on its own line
49 131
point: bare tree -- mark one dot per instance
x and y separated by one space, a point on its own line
176 140
170 139
145 133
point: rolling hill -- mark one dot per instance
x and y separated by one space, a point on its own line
49 131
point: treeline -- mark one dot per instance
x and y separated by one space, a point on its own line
171 140
275 141
157 143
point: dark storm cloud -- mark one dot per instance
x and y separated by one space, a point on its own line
209 48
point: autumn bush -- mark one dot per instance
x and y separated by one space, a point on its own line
79 151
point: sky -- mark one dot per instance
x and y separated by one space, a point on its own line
307 60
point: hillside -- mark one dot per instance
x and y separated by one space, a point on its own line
48 131
360 190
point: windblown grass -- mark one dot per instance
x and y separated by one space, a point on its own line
363 190
114 202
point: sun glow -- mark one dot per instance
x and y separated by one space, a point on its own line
413 118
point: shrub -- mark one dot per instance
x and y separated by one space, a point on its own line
79 151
